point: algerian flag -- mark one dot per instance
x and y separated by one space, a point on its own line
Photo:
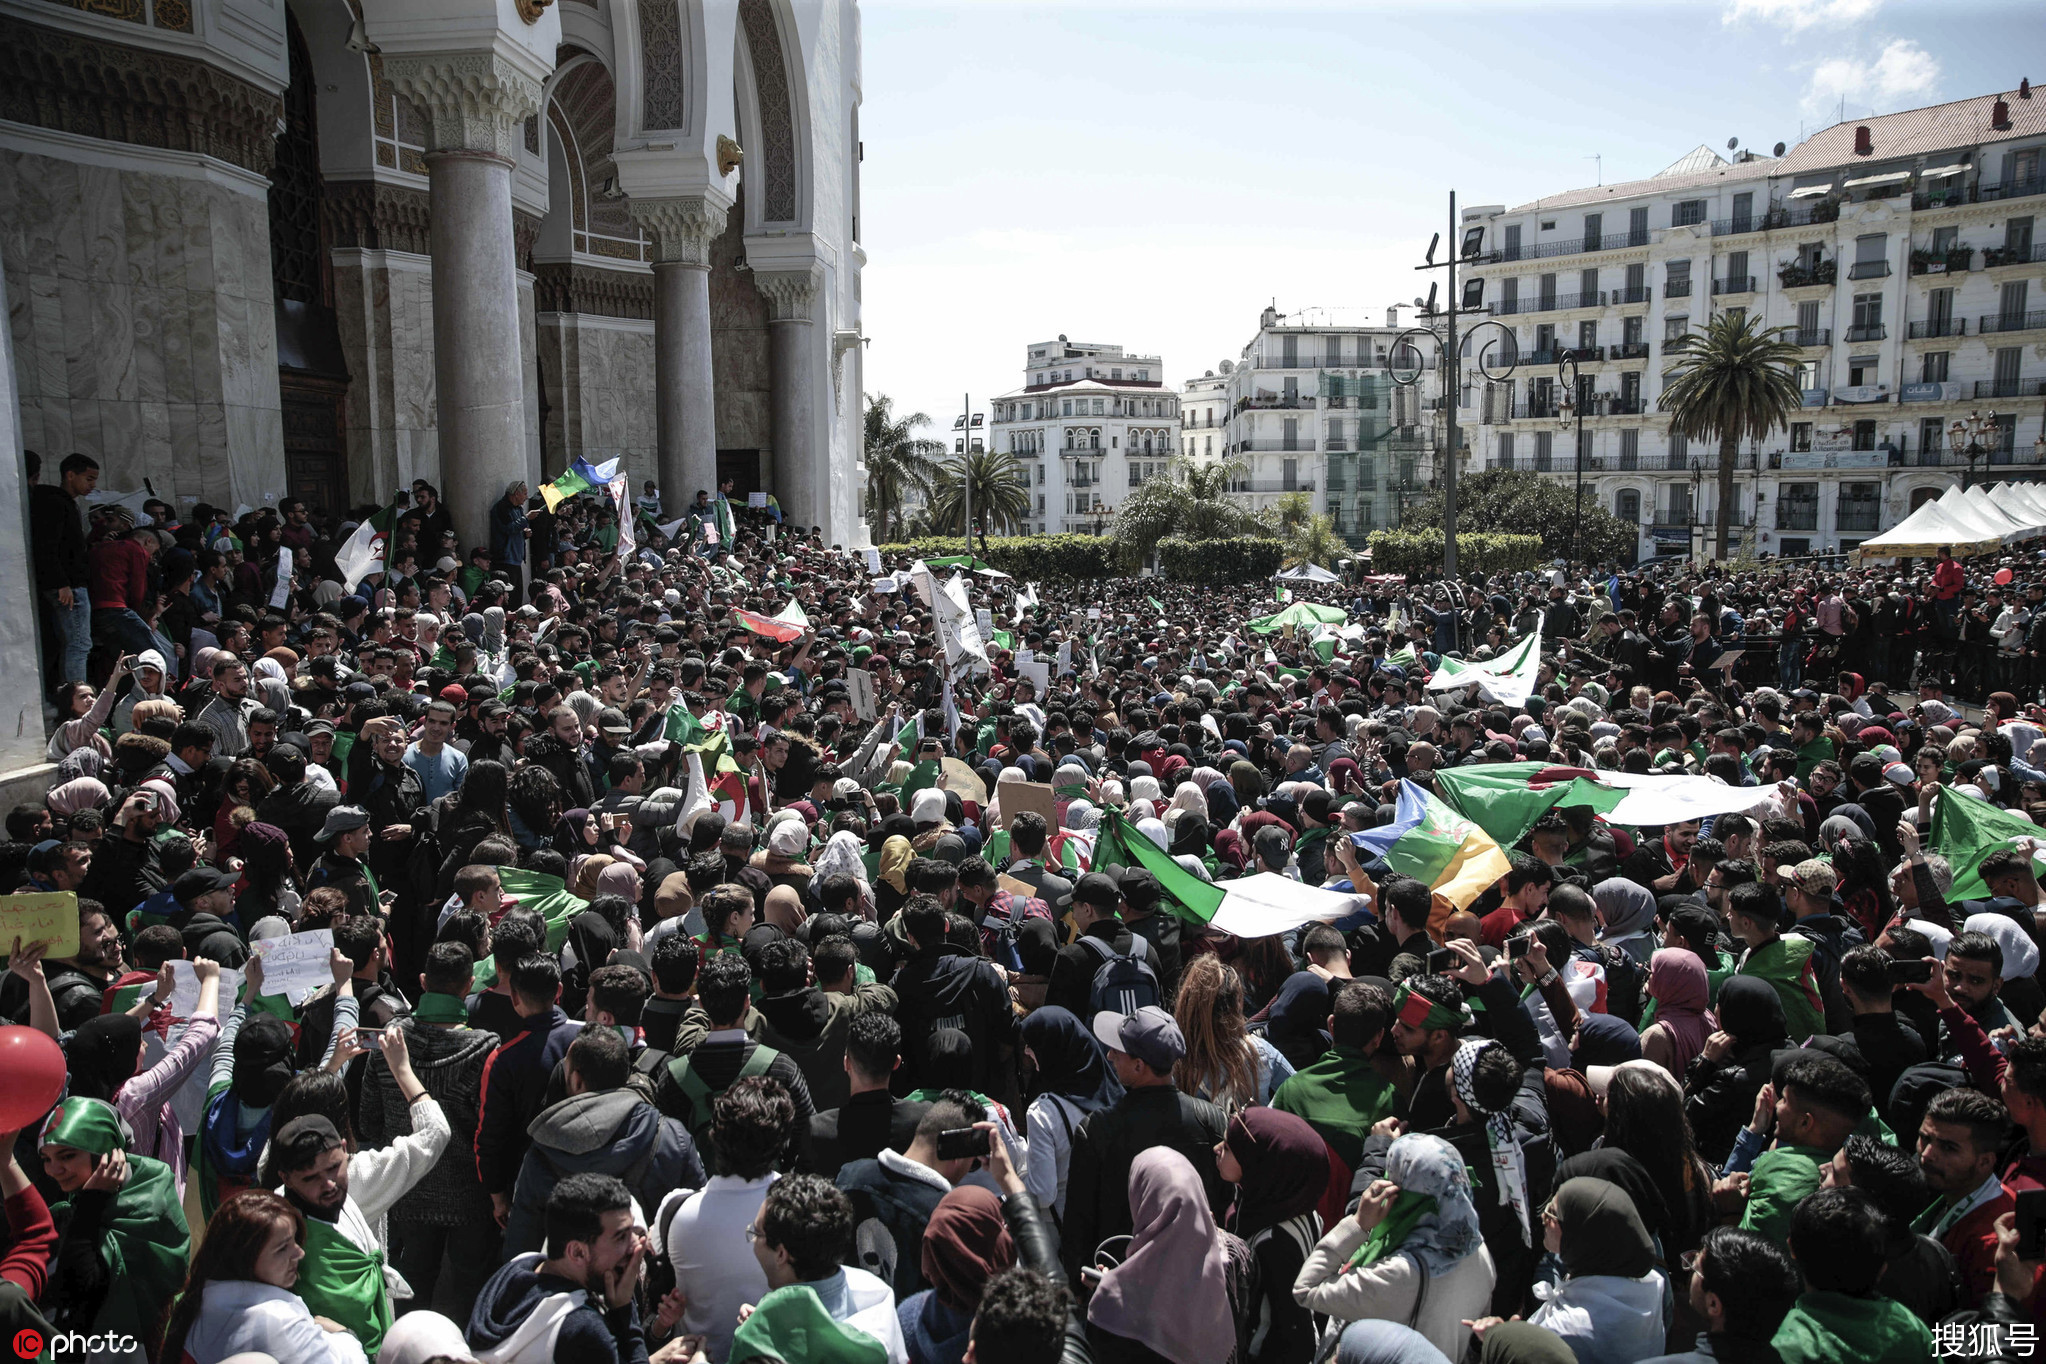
668 531
363 554
793 614
911 735
925 773
549 895
696 799
1156 605
626 543
1282 593
1508 679
721 508
1120 843
1966 830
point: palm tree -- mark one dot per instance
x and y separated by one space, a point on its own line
1001 495
1191 501
898 461
1314 541
1735 379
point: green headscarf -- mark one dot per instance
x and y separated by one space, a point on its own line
89 1125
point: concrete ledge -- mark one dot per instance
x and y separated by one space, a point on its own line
25 785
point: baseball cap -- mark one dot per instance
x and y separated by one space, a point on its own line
1150 1034
1815 876
341 819
1095 888
200 881
611 720
1140 888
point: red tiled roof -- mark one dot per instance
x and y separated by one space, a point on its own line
1914 132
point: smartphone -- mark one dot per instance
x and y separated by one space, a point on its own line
963 1143
1911 972
1442 961
1516 948
369 1039
2031 1224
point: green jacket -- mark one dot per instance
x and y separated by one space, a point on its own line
1834 1328
1341 1096
1780 1180
1787 965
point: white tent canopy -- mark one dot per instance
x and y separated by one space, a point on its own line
1307 573
1956 504
2004 510
1920 535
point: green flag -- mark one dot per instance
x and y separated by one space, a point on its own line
1966 830
1005 639
1156 605
549 895
1324 649
561 489
924 774
912 734
1124 845
683 728
1504 801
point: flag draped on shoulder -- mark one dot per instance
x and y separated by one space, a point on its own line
363 552
1430 842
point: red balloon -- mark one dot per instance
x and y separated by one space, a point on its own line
2003 577
34 1066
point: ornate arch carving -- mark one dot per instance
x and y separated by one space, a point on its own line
661 83
777 158
582 112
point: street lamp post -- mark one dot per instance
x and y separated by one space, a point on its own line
1965 438
969 421
1697 480
1567 409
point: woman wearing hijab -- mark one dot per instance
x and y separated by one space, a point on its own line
891 879
106 1052
269 878
1683 1017
123 1239
1609 1307
1071 1079
1280 1167
1627 913
1175 1295
965 1244
1411 1253
1733 1065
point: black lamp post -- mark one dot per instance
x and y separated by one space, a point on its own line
1569 412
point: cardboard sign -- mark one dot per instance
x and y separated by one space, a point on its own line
1018 796
758 500
1728 660
1015 887
874 563
283 593
296 965
184 998
1093 613
51 917
860 684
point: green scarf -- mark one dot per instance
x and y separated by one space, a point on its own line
1393 1229
144 1243
437 1008
89 1125
791 1325
339 1279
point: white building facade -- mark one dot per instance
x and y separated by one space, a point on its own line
1899 252
1313 406
1090 425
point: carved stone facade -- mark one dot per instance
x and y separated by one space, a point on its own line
559 287
660 78
777 117
378 216
682 228
74 84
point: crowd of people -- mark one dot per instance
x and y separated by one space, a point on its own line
693 996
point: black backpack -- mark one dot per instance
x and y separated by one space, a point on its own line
1124 982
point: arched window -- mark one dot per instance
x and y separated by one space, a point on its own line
1627 505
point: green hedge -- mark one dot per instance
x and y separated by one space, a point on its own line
1480 552
1030 558
1237 559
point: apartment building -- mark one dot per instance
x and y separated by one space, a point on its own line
1899 252
1090 425
1312 406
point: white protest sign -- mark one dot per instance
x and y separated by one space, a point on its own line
1038 674
756 500
283 592
1024 657
1093 613
184 998
1065 658
985 621
860 684
874 562
296 965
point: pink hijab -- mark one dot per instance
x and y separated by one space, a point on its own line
1171 1291
1682 994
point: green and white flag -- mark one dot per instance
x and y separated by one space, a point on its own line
363 553
1508 679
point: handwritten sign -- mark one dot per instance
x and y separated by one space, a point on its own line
51 917
1093 613
1065 657
1020 889
184 999
859 683
985 621
1037 673
1018 796
757 500
283 593
296 965
874 563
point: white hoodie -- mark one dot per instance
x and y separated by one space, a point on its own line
244 1316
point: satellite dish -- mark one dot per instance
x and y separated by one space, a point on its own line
1779 150
1419 304
1062 336
1228 367
1732 142
1209 375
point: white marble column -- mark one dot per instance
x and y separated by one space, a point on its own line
685 406
475 103
798 459
24 776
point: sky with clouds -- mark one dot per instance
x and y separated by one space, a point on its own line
1153 173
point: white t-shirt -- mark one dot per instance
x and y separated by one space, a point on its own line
714 1264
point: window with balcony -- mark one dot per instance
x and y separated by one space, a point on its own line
1864 435
1545 450
1676 279
1797 506
1506 449
1637 226
1511 247
1860 506
1679 448
1289 475
1673 327
1630 448
1593 223
1587 335
1868 318
1870 256
1587 287
1509 295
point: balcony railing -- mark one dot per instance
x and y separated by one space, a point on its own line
1802 217
1286 402
1738 284
2010 388
1664 464
1548 303
1079 451
1629 350
2012 322
1812 336
1994 256
1958 261
1869 331
1675 516
1676 288
1937 327
1856 518
1733 227
1271 485
1638 293
1797 518
1299 445
1802 276
1868 269
2013 189
1569 246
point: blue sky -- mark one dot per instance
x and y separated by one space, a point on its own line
1153 174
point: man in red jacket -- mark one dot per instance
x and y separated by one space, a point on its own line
1947 582
1958 1145
117 575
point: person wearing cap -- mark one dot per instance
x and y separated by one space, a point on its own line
1142 1047
1142 898
125 1235
346 836
1099 936
205 897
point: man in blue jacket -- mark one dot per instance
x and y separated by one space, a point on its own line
603 1127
